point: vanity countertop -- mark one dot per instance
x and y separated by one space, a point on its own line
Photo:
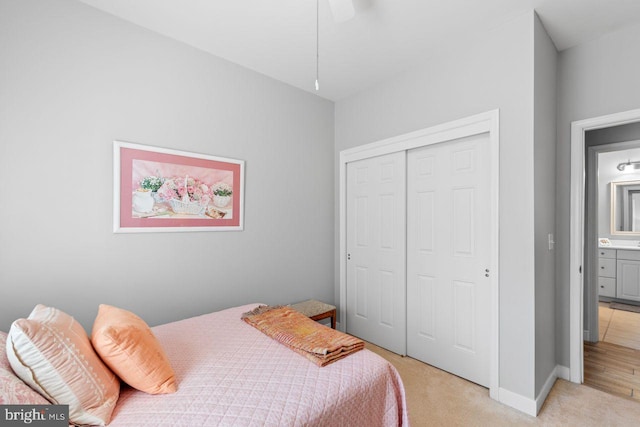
626 248
631 245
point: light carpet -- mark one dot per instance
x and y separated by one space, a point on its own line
437 398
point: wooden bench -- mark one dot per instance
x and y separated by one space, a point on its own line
316 310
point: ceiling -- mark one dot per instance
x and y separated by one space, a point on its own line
278 37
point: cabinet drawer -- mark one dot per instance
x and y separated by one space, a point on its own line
607 287
630 255
606 253
607 267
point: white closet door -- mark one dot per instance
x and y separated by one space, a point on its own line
376 249
448 253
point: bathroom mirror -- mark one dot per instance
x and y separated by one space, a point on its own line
625 207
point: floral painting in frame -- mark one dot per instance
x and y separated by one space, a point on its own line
160 189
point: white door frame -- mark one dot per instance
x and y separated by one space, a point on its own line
474 125
576 232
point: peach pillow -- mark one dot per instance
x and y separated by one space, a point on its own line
127 345
52 353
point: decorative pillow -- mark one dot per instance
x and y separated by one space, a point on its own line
52 353
13 391
126 344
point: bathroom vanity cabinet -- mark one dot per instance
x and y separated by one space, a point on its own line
619 273
607 272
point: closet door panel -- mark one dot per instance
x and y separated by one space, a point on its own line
448 247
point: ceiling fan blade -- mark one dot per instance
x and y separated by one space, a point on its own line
342 10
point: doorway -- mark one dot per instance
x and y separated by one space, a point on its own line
577 233
612 283
608 175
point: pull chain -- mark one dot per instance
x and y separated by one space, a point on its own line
317 45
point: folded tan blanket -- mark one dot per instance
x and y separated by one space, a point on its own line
318 343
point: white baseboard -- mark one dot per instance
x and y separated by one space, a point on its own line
586 335
563 372
548 384
530 406
517 401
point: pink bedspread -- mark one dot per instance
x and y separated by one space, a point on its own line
230 374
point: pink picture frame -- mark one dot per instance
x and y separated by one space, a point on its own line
164 190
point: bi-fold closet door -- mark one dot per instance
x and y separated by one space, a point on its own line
418 254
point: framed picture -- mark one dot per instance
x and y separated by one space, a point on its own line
162 190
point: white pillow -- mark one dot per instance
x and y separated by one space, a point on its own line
52 353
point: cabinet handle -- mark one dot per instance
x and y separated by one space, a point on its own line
602 267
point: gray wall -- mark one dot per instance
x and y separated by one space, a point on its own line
495 71
73 79
621 133
544 193
594 79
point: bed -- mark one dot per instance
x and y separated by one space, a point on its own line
230 374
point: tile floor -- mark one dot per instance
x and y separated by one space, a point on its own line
619 327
